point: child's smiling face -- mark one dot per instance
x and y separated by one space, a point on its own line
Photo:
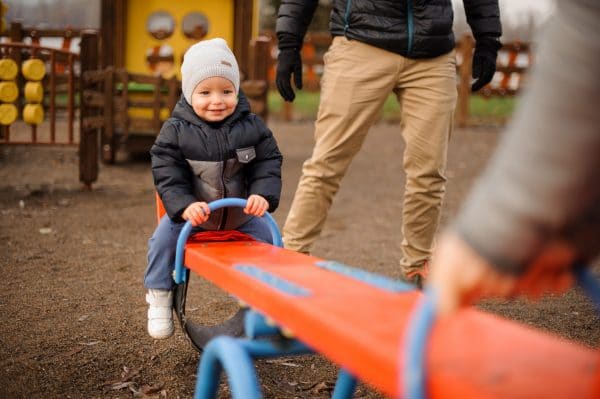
214 99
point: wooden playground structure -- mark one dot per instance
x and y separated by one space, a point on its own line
142 86
121 85
119 88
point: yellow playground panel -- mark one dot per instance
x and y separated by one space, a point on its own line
158 32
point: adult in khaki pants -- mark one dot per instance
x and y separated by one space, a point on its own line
380 47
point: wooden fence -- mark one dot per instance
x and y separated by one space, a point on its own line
124 107
38 94
129 109
512 66
514 60
56 86
45 80
98 109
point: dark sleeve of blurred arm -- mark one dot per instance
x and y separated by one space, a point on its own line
483 16
293 19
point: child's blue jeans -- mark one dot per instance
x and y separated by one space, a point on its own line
162 244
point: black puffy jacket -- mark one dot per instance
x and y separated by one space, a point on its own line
412 28
193 160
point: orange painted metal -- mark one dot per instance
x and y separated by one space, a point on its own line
361 327
160 208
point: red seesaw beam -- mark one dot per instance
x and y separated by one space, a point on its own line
361 327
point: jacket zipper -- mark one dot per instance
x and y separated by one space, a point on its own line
346 15
409 27
223 163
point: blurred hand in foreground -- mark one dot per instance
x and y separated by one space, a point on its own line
460 277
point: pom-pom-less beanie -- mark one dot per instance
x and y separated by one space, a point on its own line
207 59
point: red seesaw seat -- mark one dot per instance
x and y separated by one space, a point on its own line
360 327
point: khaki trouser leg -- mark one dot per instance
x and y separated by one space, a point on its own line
427 93
356 81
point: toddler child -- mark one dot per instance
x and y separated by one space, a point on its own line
212 147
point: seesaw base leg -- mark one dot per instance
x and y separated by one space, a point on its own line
345 386
236 358
226 353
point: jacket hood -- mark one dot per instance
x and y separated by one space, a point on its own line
184 110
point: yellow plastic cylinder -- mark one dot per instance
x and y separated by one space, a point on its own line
8 69
8 114
165 113
33 114
34 92
34 69
8 92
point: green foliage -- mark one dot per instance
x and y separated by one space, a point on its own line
306 104
501 107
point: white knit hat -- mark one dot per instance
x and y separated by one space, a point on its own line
206 59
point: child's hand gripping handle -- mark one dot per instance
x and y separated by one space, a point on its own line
179 274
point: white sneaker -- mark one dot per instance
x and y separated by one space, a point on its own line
160 313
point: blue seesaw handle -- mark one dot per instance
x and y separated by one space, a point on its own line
180 275
413 373
589 284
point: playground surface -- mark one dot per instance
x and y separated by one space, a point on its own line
72 307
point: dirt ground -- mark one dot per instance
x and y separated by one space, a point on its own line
72 304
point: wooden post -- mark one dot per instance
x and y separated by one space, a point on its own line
52 96
156 104
261 58
88 136
310 79
259 73
173 91
71 97
16 32
113 16
465 51
243 11
288 111
16 36
125 105
107 140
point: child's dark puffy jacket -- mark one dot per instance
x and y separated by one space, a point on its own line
193 160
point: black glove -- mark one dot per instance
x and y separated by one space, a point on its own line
484 61
288 62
